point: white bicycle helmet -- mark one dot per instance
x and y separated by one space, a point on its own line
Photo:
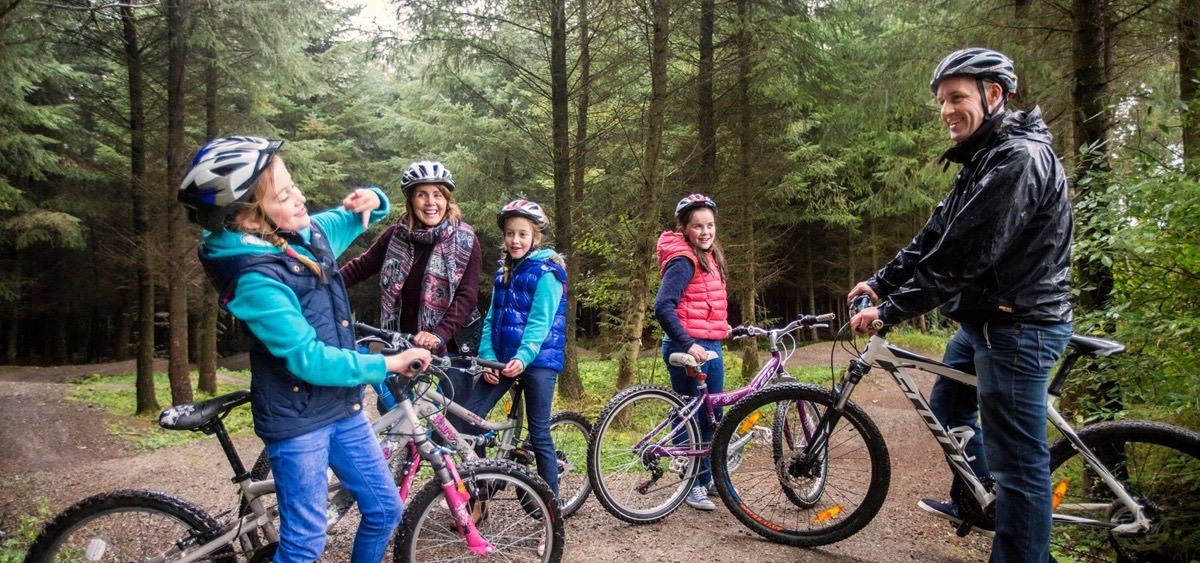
523 208
694 200
425 172
221 177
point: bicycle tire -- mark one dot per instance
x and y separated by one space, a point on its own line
124 525
856 477
617 472
570 431
428 532
789 434
1158 464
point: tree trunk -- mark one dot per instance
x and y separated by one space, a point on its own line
123 337
177 229
147 401
643 257
746 186
570 384
206 341
1091 132
1189 73
706 176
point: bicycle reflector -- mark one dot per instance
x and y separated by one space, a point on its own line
749 422
1060 491
827 514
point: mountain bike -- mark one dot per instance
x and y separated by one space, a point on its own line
644 451
524 522
1123 490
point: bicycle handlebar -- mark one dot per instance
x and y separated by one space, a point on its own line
397 341
862 302
805 321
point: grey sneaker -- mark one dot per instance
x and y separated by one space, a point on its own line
698 499
948 510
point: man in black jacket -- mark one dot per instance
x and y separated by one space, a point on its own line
995 256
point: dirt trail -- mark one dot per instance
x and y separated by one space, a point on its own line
57 451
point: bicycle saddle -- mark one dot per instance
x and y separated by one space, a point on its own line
193 416
683 359
1093 346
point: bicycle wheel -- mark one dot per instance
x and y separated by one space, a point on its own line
570 431
1158 464
794 427
632 480
513 520
844 482
125 526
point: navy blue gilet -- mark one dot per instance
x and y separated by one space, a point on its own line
512 303
283 405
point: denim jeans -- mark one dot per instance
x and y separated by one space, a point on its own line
301 486
686 386
1013 363
538 384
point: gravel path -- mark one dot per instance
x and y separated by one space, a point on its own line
56 451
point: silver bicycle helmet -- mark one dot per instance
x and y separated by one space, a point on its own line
979 63
221 177
425 172
523 208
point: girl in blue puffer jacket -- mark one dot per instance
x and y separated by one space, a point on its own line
526 327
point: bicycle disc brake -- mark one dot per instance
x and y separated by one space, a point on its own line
796 469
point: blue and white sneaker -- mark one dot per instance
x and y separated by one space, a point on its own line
698 499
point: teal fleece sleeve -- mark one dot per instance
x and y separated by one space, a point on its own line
485 342
541 317
272 312
342 226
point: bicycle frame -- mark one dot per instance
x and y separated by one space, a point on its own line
897 362
712 401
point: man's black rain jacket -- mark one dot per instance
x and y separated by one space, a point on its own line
998 247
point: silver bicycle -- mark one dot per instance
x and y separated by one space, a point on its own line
1124 490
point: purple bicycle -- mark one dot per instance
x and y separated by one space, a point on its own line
645 449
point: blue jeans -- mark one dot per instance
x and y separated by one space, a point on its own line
686 386
301 486
1013 362
538 384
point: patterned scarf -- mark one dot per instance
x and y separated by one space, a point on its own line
452 242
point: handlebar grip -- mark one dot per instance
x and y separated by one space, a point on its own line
479 362
369 330
739 332
826 317
414 367
876 324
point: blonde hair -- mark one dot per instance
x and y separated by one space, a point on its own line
507 260
452 211
252 211
702 257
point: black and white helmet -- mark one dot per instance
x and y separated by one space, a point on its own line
979 63
425 172
523 208
692 201
221 177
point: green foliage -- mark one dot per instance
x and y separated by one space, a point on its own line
117 395
46 228
14 547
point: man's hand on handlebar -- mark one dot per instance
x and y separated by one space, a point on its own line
862 289
866 322
409 362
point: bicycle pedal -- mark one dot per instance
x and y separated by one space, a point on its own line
963 529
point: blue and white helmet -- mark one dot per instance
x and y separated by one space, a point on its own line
425 172
221 177
692 201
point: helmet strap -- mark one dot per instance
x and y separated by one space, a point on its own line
988 111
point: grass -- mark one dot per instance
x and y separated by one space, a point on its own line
117 394
14 547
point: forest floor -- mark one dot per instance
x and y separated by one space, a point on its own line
55 451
